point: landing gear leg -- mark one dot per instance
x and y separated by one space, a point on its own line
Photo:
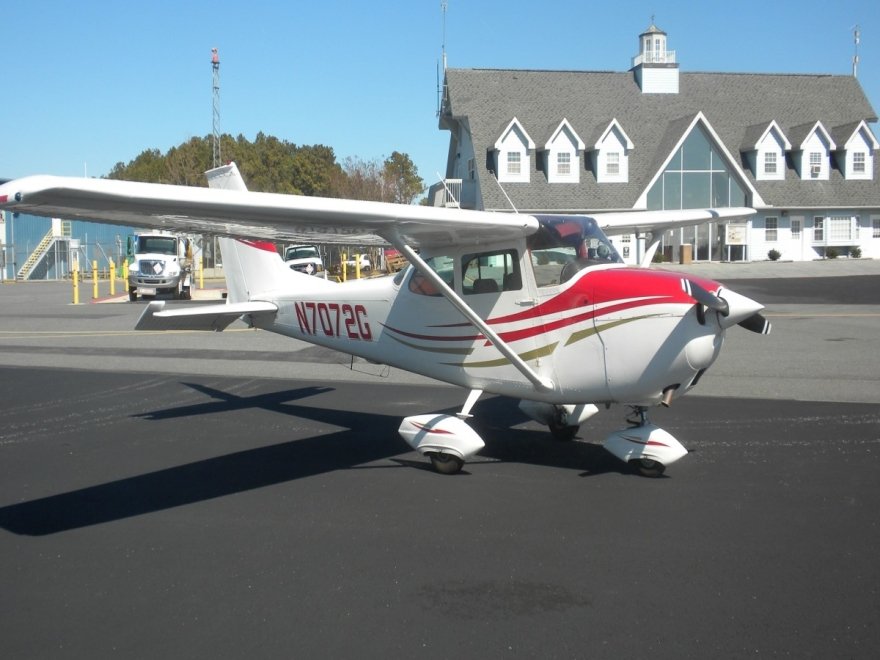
559 429
647 467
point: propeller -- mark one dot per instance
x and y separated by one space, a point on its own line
704 297
757 323
733 307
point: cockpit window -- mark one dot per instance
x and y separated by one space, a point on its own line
490 272
564 244
443 266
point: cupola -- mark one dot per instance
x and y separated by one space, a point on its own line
655 68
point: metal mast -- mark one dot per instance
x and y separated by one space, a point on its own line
215 67
857 37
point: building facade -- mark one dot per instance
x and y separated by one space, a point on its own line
36 248
798 149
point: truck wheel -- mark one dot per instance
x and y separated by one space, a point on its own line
132 294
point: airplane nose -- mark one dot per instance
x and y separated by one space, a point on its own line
732 307
742 310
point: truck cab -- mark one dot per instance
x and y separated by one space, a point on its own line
161 263
304 259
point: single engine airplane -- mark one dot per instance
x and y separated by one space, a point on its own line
537 307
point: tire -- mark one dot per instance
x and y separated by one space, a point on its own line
446 463
648 468
132 295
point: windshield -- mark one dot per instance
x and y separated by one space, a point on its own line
573 241
302 252
156 245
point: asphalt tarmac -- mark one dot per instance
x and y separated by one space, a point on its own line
241 494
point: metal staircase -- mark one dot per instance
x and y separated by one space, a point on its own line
42 249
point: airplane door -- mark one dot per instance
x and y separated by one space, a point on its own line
496 286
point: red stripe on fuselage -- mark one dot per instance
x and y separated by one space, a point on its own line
615 290
260 245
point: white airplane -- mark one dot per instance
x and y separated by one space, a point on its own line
540 308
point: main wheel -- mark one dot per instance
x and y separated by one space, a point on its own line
648 468
446 463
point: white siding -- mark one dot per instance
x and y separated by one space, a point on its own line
657 80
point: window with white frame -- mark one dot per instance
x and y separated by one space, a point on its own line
818 229
815 163
771 228
875 223
612 163
769 162
563 163
858 162
795 228
514 162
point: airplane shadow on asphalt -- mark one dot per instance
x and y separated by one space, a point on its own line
368 437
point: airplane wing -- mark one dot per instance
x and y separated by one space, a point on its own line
244 214
631 222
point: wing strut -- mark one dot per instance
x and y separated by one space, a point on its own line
543 384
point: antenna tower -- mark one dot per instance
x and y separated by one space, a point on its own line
441 91
857 37
215 69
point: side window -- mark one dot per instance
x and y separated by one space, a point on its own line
443 266
490 272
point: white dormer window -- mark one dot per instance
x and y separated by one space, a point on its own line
815 153
562 155
858 161
612 155
563 163
767 154
612 164
815 164
513 151
856 157
514 163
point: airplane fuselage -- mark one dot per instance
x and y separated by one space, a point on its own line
610 333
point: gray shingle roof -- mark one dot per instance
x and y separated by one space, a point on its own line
737 106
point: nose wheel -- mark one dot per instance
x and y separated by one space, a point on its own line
644 447
647 467
446 463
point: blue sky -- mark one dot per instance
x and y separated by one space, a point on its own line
91 83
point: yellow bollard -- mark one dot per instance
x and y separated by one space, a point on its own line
344 269
76 286
112 278
95 279
357 266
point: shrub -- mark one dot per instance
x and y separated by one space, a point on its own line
855 253
831 253
774 255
